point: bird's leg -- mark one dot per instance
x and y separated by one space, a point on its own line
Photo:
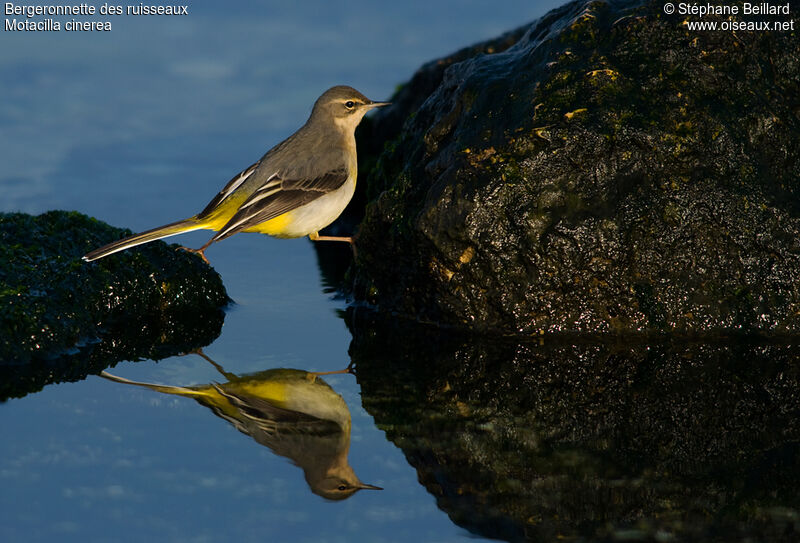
199 352
348 369
351 369
229 376
201 251
316 237
312 375
349 239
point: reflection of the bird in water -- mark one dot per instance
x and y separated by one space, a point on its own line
293 412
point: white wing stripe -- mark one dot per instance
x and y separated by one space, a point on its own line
233 226
273 181
260 197
242 178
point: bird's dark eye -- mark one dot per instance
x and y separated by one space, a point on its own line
349 104
342 487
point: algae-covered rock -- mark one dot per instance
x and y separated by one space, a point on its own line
61 318
592 441
602 169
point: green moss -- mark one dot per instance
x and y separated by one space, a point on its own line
57 311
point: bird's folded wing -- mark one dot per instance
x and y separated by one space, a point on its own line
264 412
232 185
279 195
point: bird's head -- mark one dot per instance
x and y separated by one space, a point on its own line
343 105
340 486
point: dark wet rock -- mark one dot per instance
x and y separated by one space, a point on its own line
592 441
602 169
62 318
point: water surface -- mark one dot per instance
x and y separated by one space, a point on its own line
140 127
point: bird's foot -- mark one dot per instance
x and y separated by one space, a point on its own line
200 252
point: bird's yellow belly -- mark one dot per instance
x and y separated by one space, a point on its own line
274 227
274 392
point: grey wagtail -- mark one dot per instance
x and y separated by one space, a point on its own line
293 412
299 187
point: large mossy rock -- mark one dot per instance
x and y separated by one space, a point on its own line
603 169
62 318
587 441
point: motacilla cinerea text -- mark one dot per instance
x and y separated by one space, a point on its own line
299 187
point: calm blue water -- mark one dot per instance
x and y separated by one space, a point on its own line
142 126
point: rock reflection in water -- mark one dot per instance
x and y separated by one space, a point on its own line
593 441
293 412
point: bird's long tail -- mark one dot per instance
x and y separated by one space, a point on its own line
186 225
167 389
